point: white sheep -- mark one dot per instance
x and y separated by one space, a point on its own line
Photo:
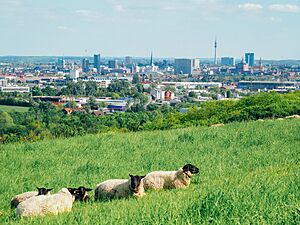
119 188
47 204
170 179
15 201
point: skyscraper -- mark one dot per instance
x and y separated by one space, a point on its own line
184 66
113 64
85 65
97 63
151 59
128 61
249 57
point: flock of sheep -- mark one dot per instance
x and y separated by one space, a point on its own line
41 202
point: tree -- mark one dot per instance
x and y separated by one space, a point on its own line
5 120
36 91
91 88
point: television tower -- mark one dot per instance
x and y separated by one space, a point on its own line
215 46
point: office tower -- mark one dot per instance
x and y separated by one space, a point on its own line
184 66
85 65
113 64
227 61
128 61
196 64
61 63
249 57
97 62
215 58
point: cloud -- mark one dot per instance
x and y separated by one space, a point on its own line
250 7
88 15
284 8
119 8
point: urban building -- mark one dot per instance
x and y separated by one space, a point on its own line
85 65
249 57
128 61
227 61
61 63
242 67
196 64
184 66
113 64
74 74
268 85
97 62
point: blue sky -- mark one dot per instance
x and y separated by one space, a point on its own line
171 28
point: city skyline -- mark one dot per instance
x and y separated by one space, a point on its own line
168 28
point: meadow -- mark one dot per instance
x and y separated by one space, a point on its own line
8 108
249 174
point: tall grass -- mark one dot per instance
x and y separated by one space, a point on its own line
249 174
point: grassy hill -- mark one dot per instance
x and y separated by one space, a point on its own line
249 174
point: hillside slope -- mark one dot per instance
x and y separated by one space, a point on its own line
249 173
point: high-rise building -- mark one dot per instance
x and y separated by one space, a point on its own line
227 61
61 63
113 64
128 61
249 57
97 62
85 65
151 59
184 66
196 64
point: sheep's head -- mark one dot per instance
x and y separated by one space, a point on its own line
135 183
81 194
190 169
43 191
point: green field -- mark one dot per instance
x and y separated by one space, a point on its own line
9 108
249 174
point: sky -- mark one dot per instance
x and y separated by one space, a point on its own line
169 28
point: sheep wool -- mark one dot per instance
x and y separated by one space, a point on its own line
44 204
15 201
117 188
167 180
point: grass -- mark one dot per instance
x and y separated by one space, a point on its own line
249 174
9 108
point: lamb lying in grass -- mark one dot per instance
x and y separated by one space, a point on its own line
170 179
47 204
119 188
24 196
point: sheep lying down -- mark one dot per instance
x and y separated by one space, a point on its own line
15 201
119 188
47 204
170 179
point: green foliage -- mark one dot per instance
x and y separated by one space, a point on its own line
248 174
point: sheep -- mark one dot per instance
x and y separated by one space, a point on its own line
217 125
81 194
119 188
293 117
170 179
47 204
22 197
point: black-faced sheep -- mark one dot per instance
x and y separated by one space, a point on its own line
15 201
119 188
170 179
47 204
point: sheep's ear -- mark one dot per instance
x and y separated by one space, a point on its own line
143 177
38 188
88 189
49 189
130 175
